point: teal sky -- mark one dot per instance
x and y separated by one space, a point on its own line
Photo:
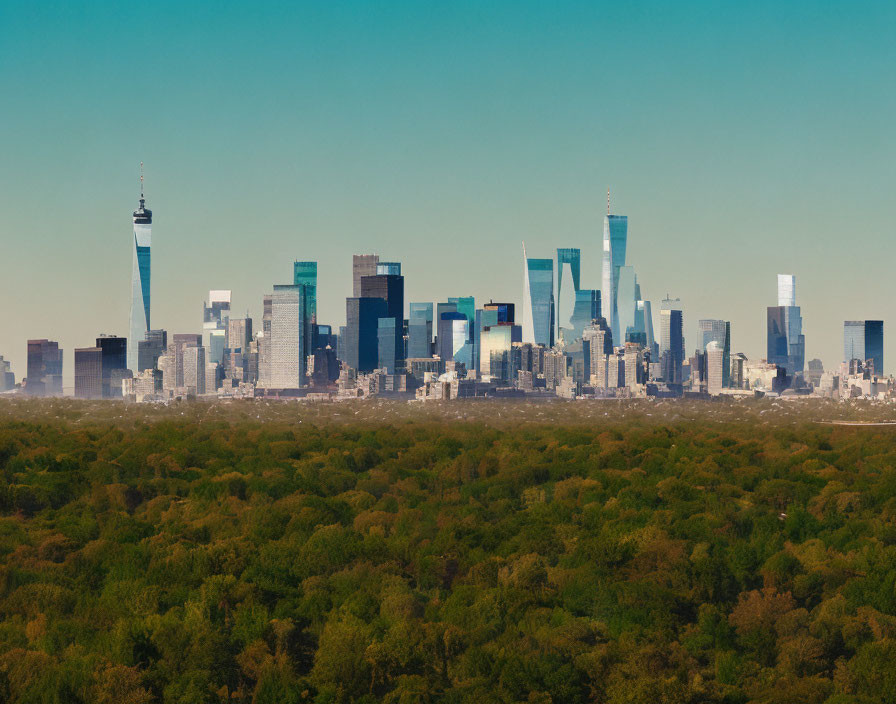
741 139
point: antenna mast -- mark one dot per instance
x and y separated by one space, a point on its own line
141 181
608 201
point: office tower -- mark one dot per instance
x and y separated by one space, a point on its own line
652 345
568 284
239 333
194 370
114 363
716 367
786 290
671 343
712 330
362 265
44 371
140 278
305 274
180 342
389 287
150 349
290 337
614 245
263 343
633 365
538 301
215 315
420 330
386 352
786 344
89 372
7 377
388 269
360 343
454 339
496 343
864 340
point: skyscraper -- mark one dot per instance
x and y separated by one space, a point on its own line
786 344
360 343
362 265
44 371
420 330
538 301
7 377
671 342
614 245
290 337
305 274
568 272
864 340
719 331
215 315
140 278
150 349
114 358
89 372
389 287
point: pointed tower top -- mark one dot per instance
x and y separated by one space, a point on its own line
141 183
608 201
142 215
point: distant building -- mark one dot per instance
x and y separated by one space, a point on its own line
715 367
140 280
420 322
712 330
538 301
786 344
362 265
864 340
89 372
360 343
114 363
150 349
7 377
44 371
194 370
614 245
569 265
290 337
215 316
671 343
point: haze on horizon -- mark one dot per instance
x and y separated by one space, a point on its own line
741 141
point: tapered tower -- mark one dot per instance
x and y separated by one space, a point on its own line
140 277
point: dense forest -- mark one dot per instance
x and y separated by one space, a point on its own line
462 552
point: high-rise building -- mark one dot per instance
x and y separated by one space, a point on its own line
215 315
7 377
671 342
420 330
173 378
716 367
454 339
864 340
140 279
626 304
712 330
290 337
89 372
389 287
150 349
362 265
614 246
386 352
114 363
538 301
569 264
194 370
44 371
305 274
495 348
360 342
786 344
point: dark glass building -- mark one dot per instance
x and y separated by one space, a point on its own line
864 340
150 349
390 288
114 363
44 371
89 372
361 342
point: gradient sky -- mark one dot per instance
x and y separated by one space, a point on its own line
741 139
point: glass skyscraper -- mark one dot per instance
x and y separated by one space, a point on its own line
140 277
538 301
786 344
614 245
569 272
864 340
420 330
360 342
305 274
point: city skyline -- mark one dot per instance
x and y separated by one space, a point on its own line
736 155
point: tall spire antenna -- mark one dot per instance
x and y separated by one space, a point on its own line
608 201
141 181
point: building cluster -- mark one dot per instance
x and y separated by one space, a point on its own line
565 341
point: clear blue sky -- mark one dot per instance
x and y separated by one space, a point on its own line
741 139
